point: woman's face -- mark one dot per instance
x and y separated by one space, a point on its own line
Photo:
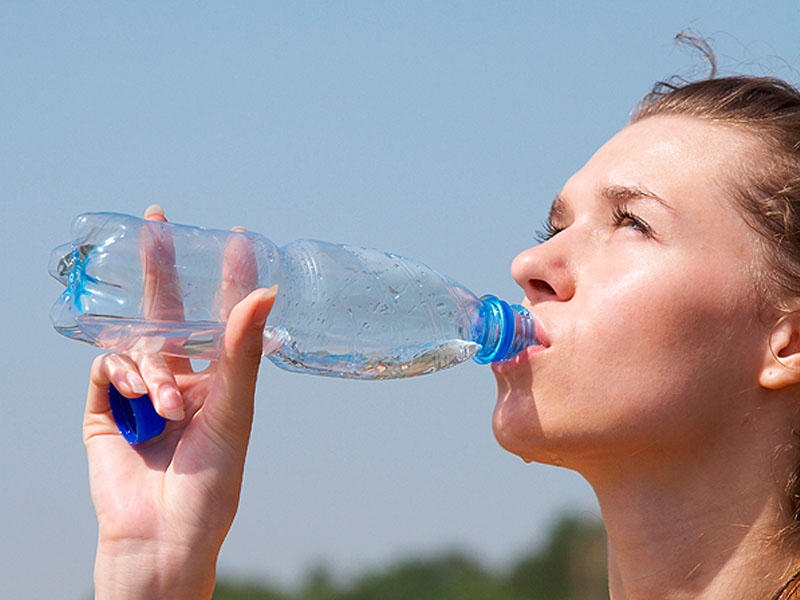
645 301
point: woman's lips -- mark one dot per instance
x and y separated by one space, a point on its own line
541 334
524 355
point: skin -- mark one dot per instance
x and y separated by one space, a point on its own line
655 378
164 507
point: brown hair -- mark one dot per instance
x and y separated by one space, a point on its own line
767 189
789 590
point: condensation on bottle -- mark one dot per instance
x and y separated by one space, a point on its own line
137 285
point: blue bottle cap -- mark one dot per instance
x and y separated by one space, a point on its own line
136 418
503 330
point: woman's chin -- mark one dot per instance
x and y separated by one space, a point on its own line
518 428
515 422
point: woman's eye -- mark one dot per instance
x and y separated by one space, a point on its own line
548 231
622 218
625 218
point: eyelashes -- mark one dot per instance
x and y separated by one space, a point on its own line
621 217
547 231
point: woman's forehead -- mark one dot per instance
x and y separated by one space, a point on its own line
666 157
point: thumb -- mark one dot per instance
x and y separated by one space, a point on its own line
244 331
230 406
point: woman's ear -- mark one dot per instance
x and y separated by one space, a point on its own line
782 362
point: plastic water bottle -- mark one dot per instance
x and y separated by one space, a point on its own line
135 284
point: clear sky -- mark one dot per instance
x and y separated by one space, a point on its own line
437 130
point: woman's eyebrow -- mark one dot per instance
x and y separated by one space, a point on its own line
558 209
622 194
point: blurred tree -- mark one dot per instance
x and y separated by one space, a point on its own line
230 590
319 585
570 566
453 576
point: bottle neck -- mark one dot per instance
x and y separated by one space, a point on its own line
502 330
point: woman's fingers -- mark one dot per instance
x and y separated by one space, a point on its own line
161 385
162 297
162 293
239 272
226 391
108 369
154 212
134 376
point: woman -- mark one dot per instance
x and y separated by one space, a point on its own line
666 293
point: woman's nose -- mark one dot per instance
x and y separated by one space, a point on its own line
543 273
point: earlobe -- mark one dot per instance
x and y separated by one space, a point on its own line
781 366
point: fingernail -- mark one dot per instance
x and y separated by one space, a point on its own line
137 383
238 229
154 210
264 293
171 404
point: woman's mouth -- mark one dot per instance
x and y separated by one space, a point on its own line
524 355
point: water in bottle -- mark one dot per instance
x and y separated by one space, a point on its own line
134 284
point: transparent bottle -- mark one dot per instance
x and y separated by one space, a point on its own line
135 284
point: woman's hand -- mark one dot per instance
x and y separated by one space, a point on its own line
165 506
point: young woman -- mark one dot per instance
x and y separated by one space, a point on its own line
666 292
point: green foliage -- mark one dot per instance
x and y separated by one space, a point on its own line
571 565
229 590
449 577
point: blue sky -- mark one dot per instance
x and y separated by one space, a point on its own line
437 130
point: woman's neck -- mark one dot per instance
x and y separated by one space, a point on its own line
705 524
705 556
